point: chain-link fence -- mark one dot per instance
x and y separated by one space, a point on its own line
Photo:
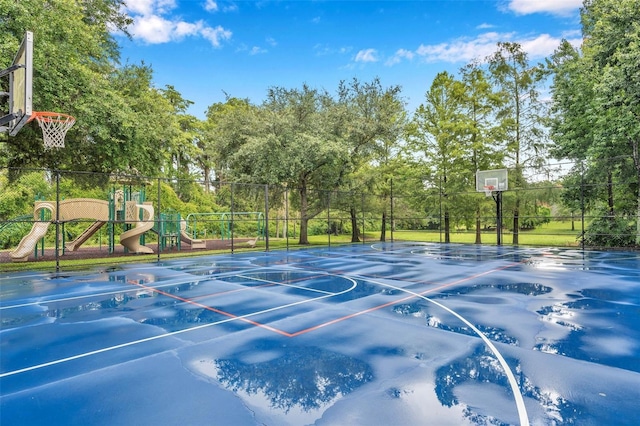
66 217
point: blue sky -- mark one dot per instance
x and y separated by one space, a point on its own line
206 48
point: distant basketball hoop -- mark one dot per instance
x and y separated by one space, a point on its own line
54 127
493 183
488 190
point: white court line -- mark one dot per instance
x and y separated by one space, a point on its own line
173 333
522 409
127 289
287 285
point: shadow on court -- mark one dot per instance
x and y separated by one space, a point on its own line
395 333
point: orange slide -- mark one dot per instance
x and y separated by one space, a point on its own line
131 238
84 208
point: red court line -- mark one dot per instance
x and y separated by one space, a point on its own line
209 308
327 323
247 288
384 305
219 311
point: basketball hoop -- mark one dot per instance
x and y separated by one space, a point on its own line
488 190
54 127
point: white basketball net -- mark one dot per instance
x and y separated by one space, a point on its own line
54 128
488 190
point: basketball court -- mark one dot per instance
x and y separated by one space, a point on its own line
389 333
382 334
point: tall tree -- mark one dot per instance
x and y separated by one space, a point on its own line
371 119
228 127
184 150
437 135
290 142
523 114
479 105
597 93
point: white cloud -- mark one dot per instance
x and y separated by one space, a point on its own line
367 55
572 34
541 46
321 49
152 29
152 25
183 29
466 49
255 50
462 49
147 7
211 6
216 35
484 26
399 56
556 7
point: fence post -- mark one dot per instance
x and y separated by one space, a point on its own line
159 216
231 221
363 217
440 209
329 217
286 215
57 254
582 204
392 219
266 217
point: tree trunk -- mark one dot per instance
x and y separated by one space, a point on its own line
355 231
635 148
478 224
304 219
638 214
447 236
516 222
383 231
573 222
207 180
610 194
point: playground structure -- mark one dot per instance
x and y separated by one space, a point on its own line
139 216
128 208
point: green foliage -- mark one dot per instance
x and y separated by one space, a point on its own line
542 216
310 141
169 199
606 231
596 96
18 197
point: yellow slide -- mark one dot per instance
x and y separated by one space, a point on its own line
131 238
86 234
38 230
29 241
84 208
186 238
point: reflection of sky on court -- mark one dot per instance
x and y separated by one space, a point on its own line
567 322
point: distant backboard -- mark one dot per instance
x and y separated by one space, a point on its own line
20 75
492 180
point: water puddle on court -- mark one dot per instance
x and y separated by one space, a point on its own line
293 385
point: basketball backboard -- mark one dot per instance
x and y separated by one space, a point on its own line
492 180
20 75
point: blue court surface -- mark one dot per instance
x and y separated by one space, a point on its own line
382 334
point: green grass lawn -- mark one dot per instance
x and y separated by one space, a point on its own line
554 234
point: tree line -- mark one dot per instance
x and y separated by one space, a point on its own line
500 111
